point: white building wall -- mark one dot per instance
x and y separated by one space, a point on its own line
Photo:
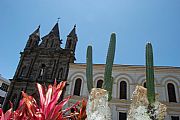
3 93
133 75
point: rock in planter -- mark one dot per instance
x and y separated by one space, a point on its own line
140 108
97 105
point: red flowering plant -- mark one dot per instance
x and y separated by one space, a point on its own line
49 107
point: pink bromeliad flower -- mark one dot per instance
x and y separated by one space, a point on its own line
48 109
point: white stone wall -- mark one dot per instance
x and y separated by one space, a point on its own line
133 75
6 81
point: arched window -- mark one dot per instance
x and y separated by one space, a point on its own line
171 92
77 87
70 44
52 43
23 71
99 83
123 90
144 84
122 116
42 70
60 74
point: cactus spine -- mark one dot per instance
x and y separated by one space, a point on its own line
89 68
150 74
108 80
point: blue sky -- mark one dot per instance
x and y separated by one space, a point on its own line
135 23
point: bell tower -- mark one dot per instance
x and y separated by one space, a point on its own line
33 40
71 43
43 60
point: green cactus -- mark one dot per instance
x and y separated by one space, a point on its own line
150 74
89 68
108 80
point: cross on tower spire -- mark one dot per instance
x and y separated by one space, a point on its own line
58 19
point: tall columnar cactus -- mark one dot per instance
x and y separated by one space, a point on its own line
150 74
108 80
89 68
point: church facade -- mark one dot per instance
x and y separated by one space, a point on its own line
126 78
42 60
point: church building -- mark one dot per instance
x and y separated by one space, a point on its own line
42 60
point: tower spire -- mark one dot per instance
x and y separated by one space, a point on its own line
34 39
73 32
55 30
52 40
71 43
36 32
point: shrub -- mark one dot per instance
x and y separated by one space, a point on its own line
48 109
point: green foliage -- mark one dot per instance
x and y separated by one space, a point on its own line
108 81
89 68
150 74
